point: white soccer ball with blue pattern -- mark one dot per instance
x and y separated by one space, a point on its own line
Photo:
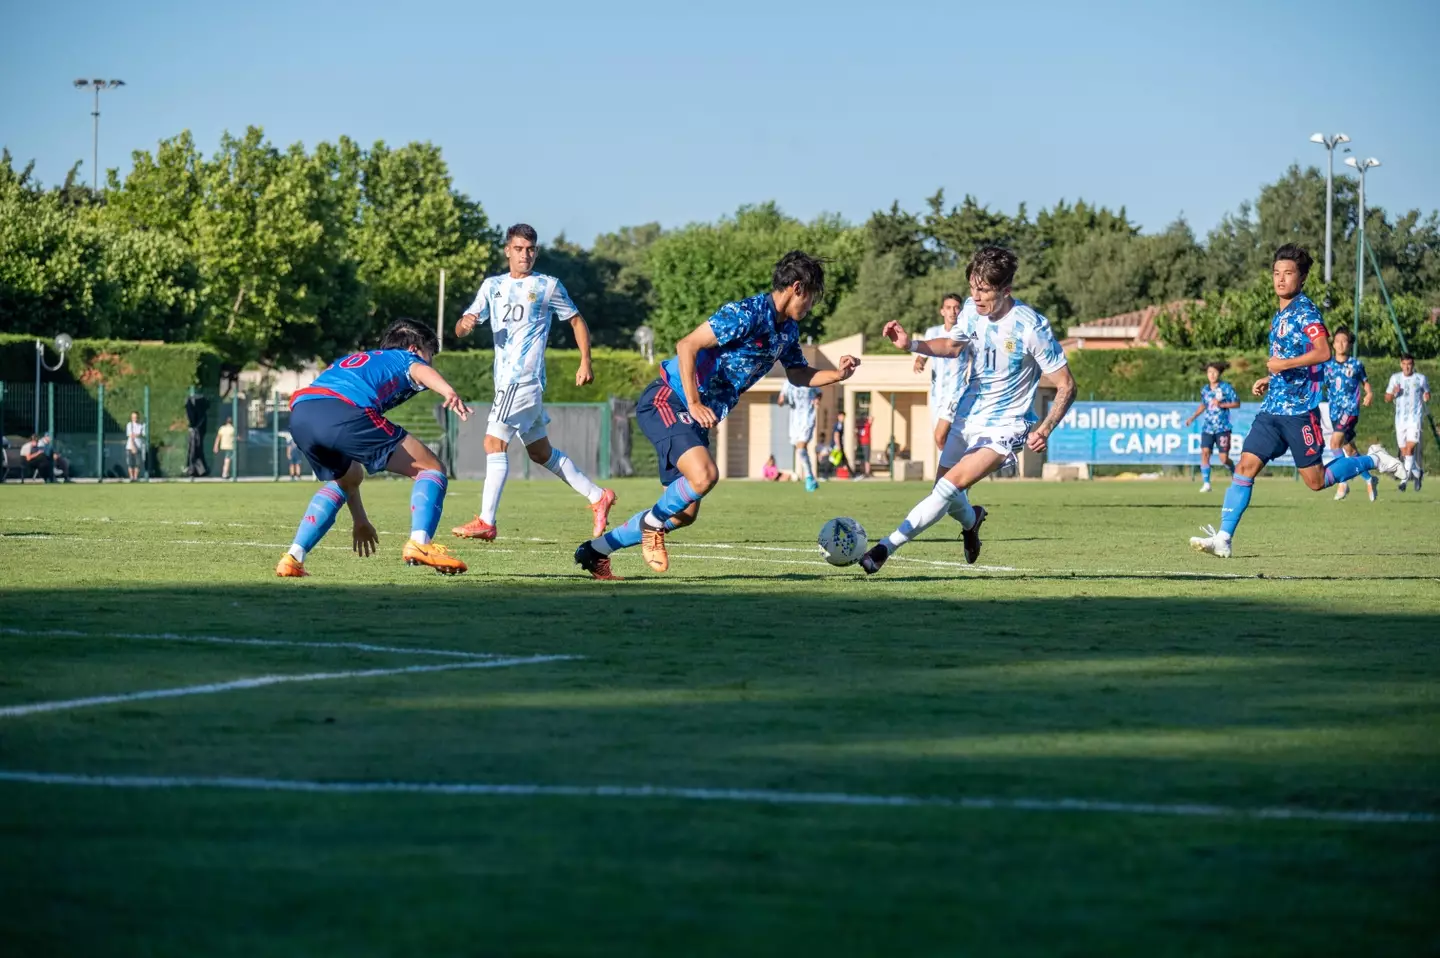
842 541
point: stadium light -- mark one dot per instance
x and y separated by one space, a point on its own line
1329 142
63 342
1360 166
97 86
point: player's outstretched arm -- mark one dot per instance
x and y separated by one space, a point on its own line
1196 414
1039 437
945 348
818 378
428 377
363 537
1369 394
586 373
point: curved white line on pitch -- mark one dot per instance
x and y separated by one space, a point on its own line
263 680
222 640
750 795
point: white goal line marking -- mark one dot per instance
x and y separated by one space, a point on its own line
746 795
221 640
264 680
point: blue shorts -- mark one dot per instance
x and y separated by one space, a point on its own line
333 433
1345 426
1270 435
666 422
1216 440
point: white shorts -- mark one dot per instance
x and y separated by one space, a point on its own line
802 431
1407 432
518 411
1007 439
942 406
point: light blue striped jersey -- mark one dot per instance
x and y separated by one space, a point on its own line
947 374
801 400
520 311
1005 360
1410 404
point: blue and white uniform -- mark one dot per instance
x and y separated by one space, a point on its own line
947 378
1409 392
520 312
1289 417
1215 422
1004 360
801 400
339 418
1344 382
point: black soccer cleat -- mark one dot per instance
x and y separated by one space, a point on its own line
587 558
873 559
972 536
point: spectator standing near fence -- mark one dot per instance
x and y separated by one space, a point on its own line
225 447
135 445
862 447
292 453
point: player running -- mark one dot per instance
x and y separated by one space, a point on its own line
802 401
1345 379
1289 417
1217 398
946 372
713 365
1009 346
1409 391
338 422
519 306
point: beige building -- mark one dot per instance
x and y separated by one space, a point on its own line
885 387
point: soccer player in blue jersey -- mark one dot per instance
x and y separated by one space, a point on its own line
339 423
1007 346
1345 379
802 401
1217 398
712 366
520 306
1289 417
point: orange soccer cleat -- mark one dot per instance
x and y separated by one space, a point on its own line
601 508
652 547
477 529
435 556
289 568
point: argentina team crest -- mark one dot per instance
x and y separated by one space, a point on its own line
1009 345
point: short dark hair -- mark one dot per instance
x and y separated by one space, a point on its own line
1218 366
1297 255
994 265
1409 356
1342 331
797 267
522 230
955 296
405 333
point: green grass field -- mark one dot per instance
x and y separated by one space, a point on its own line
1089 656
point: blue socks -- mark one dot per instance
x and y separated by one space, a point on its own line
318 518
1237 500
1205 474
623 537
1347 467
805 470
677 496
427 499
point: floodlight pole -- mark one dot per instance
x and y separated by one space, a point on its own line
1329 142
1360 166
97 86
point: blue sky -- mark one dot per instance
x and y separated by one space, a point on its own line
583 117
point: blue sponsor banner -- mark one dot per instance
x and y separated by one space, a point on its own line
1143 433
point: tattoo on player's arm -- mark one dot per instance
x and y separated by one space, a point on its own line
1064 396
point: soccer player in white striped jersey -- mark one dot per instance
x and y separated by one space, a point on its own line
946 372
802 401
1409 391
520 306
1007 346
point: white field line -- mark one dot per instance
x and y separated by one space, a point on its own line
220 640
744 795
264 680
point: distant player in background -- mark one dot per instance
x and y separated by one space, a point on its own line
1409 391
713 366
1217 398
519 305
339 424
1007 346
803 401
1345 379
1289 418
946 372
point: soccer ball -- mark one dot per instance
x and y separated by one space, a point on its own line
842 541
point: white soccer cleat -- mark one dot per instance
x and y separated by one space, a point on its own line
1388 464
1341 491
1212 543
1204 487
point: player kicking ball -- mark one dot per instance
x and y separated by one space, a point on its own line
713 365
1289 418
519 306
339 423
1009 347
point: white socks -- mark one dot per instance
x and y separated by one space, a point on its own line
961 510
497 468
562 466
929 511
1410 465
420 536
297 552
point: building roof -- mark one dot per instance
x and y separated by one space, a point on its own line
1126 330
